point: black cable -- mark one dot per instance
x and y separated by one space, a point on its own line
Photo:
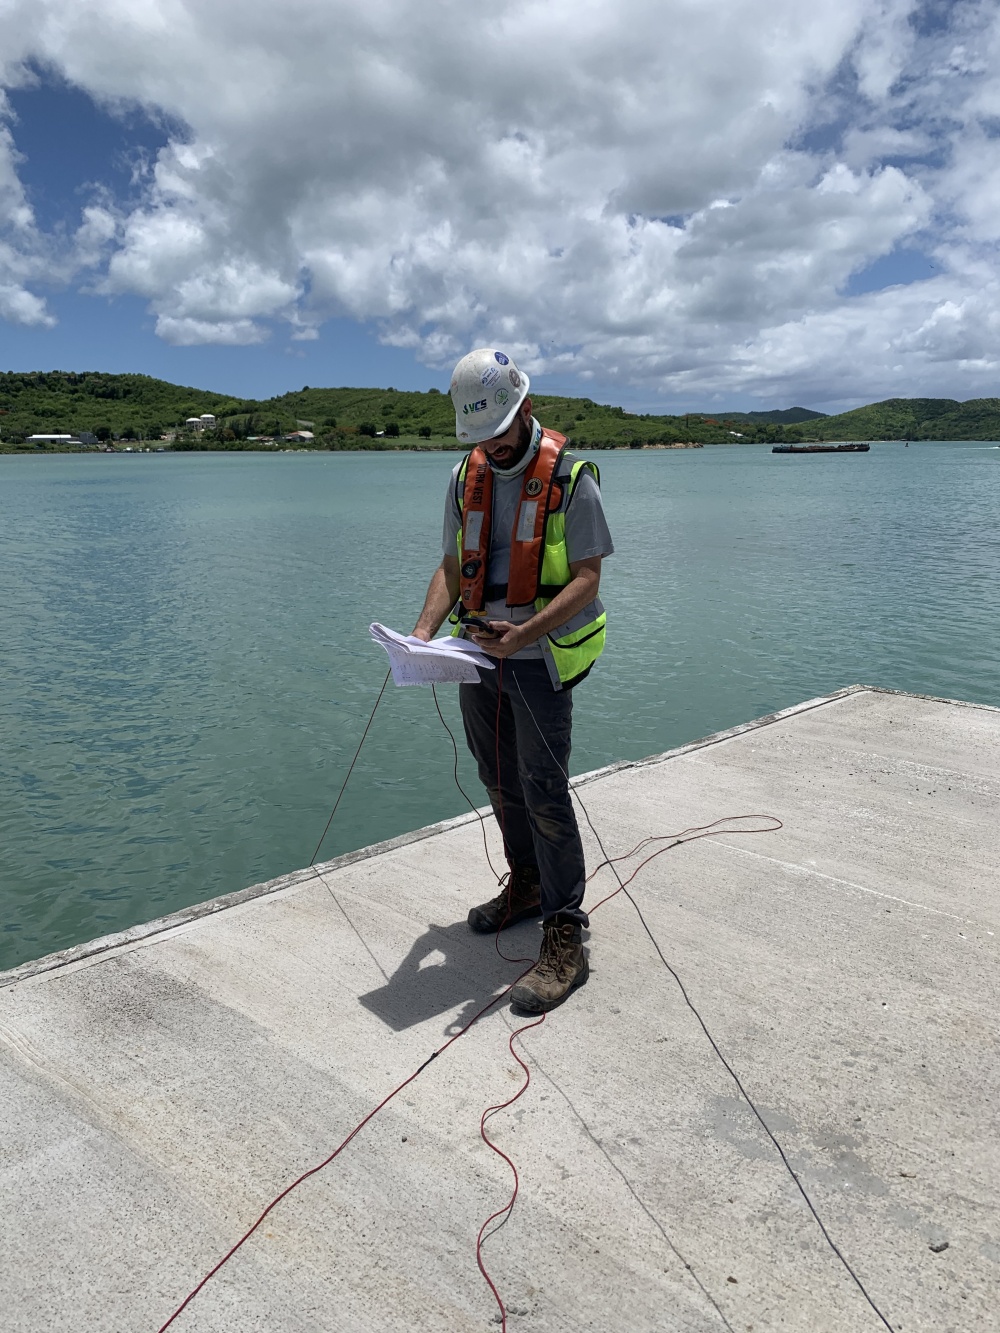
704 1027
622 886
634 1192
473 808
507 1214
343 786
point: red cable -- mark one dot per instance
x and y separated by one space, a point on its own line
674 840
502 823
699 831
396 1091
336 1153
508 1207
503 830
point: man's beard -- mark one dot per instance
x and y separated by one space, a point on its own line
525 430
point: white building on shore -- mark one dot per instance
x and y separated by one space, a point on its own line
82 437
205 422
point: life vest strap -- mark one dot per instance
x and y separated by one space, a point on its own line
497 592
541 495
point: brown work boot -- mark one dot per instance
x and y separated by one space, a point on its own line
519 899
562 966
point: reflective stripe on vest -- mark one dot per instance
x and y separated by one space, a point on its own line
569 650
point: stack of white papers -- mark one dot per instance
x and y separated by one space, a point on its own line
442 661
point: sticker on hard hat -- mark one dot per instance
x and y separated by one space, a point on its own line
500 397
489 376
504 360
479 406
533 486
514 378
469 569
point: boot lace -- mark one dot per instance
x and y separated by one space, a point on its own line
518 886
501 904
553 957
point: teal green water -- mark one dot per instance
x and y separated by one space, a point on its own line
187 670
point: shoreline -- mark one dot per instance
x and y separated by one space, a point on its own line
582 447
164 1084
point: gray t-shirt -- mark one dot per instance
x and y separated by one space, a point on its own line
587 535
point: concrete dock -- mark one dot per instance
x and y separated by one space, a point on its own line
159 1088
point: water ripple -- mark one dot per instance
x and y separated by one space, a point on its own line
187 669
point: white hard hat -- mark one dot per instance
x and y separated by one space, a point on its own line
486 389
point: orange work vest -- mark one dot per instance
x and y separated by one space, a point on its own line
541 495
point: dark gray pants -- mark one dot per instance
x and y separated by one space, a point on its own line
531 797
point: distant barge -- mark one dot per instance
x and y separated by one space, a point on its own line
820 449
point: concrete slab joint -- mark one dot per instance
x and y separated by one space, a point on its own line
162 1085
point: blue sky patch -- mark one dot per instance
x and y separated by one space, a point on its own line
70 144
901 266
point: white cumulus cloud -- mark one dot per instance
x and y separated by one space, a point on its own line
21 247
661 193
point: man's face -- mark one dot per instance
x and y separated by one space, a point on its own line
508 449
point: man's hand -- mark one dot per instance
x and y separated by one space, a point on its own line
441 597
507 639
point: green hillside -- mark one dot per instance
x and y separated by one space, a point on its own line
60 402
335 411
788 416
914 419
140 407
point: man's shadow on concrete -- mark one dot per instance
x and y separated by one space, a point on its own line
468 972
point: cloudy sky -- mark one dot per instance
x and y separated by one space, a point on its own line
664 203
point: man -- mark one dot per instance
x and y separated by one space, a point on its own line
524 537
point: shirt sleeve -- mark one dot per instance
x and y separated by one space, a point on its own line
587 532
452 517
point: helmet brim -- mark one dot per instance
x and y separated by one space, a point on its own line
465 432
